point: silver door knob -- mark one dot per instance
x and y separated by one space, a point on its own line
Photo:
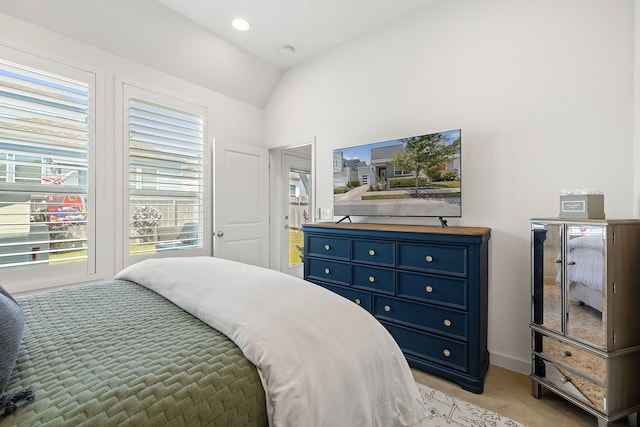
220 233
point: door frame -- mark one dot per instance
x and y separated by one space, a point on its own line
278 196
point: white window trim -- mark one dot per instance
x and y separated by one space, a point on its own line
39 277
129 88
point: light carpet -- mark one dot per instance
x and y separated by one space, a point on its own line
445 410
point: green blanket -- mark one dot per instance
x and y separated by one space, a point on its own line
115 353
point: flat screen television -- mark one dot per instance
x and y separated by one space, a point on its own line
417 176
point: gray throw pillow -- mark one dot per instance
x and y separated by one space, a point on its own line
11 328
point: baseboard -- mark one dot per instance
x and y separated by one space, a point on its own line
522 366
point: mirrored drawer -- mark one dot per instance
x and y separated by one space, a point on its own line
452 323
430 347
376 279
328 270
589 364
440 259
433 289
374 252
575 385
330 247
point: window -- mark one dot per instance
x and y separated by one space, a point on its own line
45 143
166 173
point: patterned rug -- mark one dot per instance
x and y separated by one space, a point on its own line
445 410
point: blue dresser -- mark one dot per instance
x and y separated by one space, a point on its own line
426 285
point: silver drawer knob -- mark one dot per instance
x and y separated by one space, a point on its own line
357 301
327 247
429 289
387 308
428 258
372 252
372 279
327 271
447 322
446 352
565 353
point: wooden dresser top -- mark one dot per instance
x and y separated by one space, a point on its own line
470 231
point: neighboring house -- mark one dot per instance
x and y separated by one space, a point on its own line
346 170
381 159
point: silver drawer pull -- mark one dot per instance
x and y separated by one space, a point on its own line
565 380
387 308
571 263
446 352
327 247
565 353
447 322
429 289
357 301
372 279
428 258
327 271
372 252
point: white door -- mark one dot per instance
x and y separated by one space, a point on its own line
241 203
297 210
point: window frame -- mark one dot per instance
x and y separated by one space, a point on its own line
129 89
29 278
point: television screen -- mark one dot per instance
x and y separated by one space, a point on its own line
413 176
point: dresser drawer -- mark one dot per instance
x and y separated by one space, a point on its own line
430 318
430 347
441 259
433 289
363 299
329 247
376 279
376 252
586 363
328 270
577 386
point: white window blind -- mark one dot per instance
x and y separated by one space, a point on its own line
166 177
44 167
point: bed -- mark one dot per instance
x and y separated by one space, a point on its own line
585 270
205 341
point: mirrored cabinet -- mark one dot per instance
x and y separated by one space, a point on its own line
585 320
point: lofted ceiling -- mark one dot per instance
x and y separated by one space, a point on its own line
288 32
194 39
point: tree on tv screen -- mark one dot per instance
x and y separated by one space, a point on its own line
425 155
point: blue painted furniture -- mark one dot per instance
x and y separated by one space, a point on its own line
426 285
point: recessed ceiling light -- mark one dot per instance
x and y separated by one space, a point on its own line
240 24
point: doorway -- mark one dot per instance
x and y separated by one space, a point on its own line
293 205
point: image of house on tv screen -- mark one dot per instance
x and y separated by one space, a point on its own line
414 176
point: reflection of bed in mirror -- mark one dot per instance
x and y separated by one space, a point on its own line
585 270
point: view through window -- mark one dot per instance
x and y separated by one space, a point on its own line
44 167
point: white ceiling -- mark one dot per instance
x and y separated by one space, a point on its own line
311 27
194 40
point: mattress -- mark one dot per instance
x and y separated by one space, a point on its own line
102 354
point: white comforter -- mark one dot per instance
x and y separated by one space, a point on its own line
323 360
585 261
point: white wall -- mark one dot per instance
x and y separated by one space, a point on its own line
543 92
636 109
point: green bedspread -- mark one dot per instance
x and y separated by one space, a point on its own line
115 353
